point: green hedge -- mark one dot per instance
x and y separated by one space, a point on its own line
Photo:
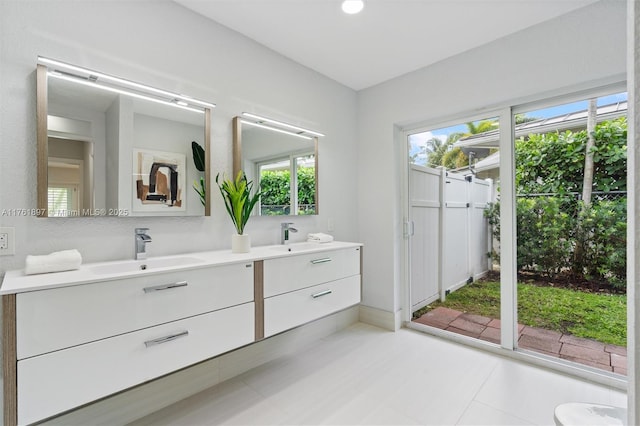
550 228
275 187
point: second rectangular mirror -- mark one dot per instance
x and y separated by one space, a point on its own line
282 160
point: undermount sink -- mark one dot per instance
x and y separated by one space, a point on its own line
299 247
145 265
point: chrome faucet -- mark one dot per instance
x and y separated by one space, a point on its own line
284 232
141 243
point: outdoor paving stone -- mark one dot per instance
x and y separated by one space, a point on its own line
537 343
469 326
541 333
621 371
478 319
431 321
491 334
585 343
496 323
618 361
587 362
614 349
600 357
444 315
463 332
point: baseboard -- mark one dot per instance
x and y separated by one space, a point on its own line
384 319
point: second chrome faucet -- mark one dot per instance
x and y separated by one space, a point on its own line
285 228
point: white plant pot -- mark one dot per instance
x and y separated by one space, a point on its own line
240 243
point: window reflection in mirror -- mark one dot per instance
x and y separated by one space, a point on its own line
283 165
288 186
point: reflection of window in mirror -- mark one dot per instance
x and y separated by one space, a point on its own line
69 191
287 186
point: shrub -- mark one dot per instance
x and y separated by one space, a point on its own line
602 230
550 228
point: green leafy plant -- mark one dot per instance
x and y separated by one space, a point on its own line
198 161
238 199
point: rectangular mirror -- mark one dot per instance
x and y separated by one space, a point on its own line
281 160
111 147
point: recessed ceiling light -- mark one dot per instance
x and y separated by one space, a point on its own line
352 6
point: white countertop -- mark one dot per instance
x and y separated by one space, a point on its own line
17 282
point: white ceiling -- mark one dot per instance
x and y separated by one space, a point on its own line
387 39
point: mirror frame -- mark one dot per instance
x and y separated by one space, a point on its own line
237 159
42 139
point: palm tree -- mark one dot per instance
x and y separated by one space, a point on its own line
436 149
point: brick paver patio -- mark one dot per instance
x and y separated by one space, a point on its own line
552 343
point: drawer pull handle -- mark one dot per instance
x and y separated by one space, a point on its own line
166 339
323 260
322 293
165 286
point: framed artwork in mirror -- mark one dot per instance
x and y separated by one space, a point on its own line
158 181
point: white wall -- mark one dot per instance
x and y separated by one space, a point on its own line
167 46
571 51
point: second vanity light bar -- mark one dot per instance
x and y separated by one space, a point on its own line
62 70
299 131
275 129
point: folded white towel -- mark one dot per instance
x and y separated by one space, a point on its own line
65 260
320 238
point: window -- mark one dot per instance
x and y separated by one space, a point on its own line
288 185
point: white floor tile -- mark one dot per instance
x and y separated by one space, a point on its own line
367 376
532 393
480 414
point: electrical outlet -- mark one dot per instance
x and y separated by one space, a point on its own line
330 226
7 241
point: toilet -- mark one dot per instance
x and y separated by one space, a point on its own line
583 414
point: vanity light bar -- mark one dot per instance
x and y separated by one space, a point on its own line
280 123
262 126
98 75
80 80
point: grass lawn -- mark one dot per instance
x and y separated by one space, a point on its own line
597 316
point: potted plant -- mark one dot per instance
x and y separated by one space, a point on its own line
239 203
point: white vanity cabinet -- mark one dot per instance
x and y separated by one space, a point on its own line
49 320
74 337
79 343
303 287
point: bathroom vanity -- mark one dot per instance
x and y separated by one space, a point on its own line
70 338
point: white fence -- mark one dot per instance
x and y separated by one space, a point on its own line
449 236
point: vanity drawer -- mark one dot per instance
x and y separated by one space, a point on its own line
292 309
59 318
292 273
56 382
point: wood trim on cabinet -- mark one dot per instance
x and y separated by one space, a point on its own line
10 361
258 294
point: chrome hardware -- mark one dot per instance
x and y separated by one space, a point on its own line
284 232
141 243
166 339
165 286
322 293
323 260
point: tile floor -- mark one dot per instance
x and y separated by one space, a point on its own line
365 375
583 351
